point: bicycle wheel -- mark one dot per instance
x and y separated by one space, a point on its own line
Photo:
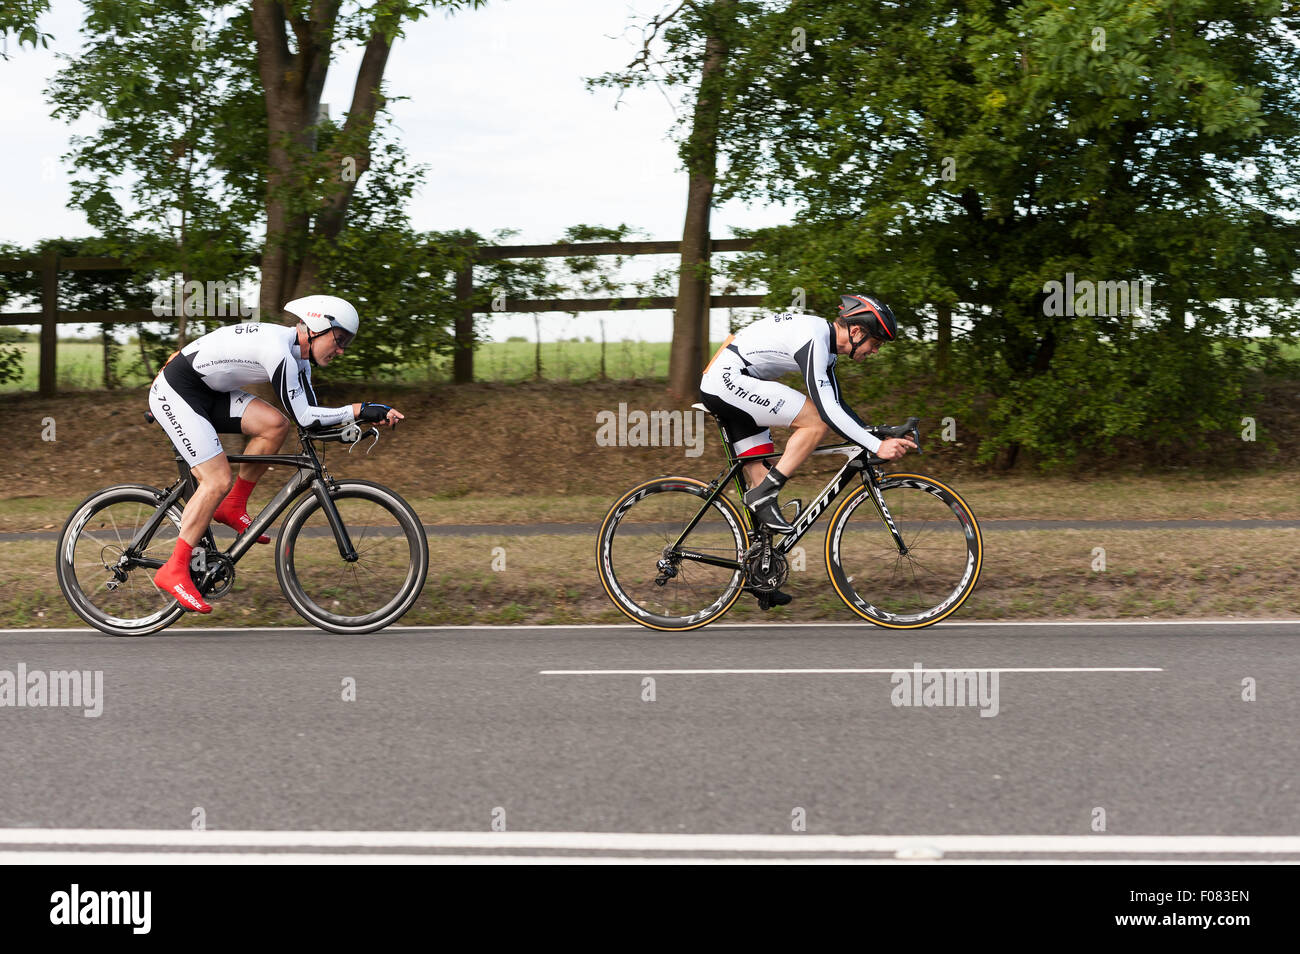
114 595
904 590
369 594
635 552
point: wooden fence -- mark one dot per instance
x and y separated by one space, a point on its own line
50 317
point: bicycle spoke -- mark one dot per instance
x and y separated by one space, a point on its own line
116 600
683 593
913 588
344 591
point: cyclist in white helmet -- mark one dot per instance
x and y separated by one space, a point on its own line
198 395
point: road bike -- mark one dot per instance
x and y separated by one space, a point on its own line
902 550
351 556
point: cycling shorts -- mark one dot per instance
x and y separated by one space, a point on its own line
745 406
192 413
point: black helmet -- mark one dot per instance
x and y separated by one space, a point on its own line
870 313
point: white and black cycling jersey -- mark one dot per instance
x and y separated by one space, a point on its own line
762 352
235 356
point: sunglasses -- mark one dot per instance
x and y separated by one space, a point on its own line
342 338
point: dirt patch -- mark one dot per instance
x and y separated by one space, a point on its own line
531 440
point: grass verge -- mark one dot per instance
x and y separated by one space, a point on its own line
552 580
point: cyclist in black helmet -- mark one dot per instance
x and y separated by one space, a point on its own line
739 387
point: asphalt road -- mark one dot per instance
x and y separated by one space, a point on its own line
454 728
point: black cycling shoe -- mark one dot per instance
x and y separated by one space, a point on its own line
767 600
762 500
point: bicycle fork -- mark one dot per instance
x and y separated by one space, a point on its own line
346 550
871 480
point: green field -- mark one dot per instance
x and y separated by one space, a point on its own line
514 361
80 364
80 367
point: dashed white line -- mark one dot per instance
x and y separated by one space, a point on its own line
817 672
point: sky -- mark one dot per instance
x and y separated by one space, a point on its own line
498 111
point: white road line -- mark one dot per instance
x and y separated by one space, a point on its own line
938 627
785 672
656 841
309 858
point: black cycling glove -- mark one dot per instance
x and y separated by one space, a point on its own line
373 413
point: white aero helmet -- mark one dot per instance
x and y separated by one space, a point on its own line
320 313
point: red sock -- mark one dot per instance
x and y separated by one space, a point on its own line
239 494
233 511
180 556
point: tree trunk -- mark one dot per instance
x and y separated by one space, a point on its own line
462 361
352 147
293 83
691 319
943 351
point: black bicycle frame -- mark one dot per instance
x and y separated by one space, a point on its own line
310 474
861 463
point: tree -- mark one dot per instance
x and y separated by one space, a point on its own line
699 39
309 187
20 17
182 123
214 117
972 152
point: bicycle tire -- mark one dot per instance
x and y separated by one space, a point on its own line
945 533
89 603
662 519
292 557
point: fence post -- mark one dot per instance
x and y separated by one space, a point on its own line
462 361
49 321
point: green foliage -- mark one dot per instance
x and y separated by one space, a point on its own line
174 84
1151 389
966 153
100 290
184 113
672 56
20 17
11 364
